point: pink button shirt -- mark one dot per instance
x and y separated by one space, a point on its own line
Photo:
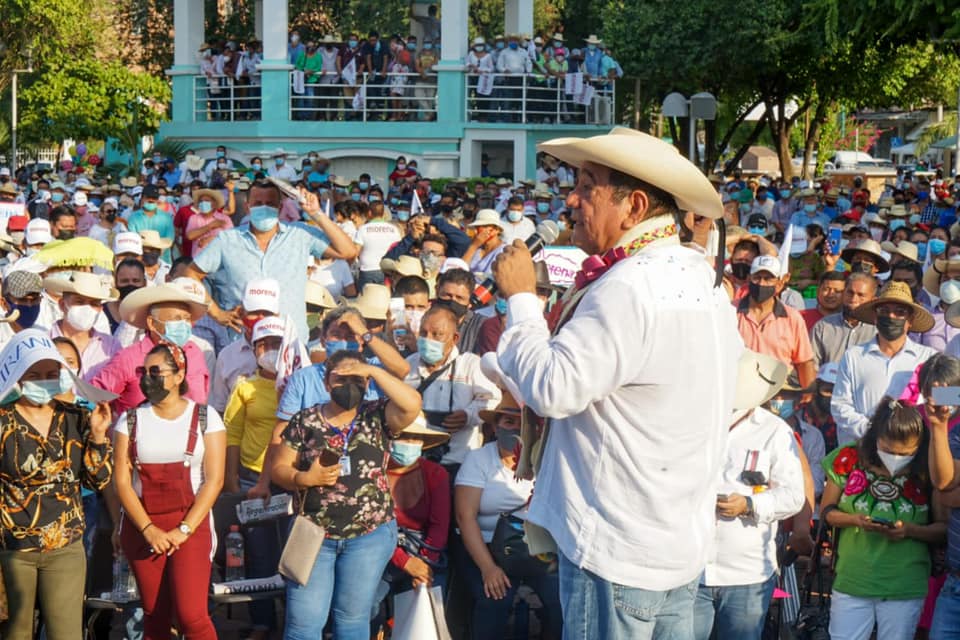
99 350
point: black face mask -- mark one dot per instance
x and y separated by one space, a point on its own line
153 389
347 396
862 266
458 309
760 293
890 328
823 403
151 259
126 290
110 217
66 234
740 270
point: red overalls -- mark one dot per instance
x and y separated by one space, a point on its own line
174 585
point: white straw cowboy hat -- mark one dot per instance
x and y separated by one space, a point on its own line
372 303
214 194
153 240
487 218
905 249
867 246
646 158
194 163
899 293
759 378
84 284
420 430
135 307
404 266
940 266
317 294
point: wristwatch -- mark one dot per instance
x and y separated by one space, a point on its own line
185 528
367 337
749 513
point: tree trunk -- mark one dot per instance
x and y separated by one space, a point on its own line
819 118
675 135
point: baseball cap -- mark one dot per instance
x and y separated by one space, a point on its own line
150 191
262 294
828 372
269 327
80 199
766 263
128 242
757 220
38 232
17 223
453 263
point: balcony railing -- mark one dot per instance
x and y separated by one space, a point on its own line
393 97
224 98
537 99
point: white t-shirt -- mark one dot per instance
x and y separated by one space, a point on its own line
517 230
501 492
160 441
335 276
375 239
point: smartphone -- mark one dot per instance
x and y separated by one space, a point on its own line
889 524
835 236
397 308
946 396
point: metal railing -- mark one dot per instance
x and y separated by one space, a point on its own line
538 99
224 98
392 97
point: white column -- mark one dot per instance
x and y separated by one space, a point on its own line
274 31
187 32
453 31
518 16
258 19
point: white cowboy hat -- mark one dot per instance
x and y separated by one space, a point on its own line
152 239
867 246
487 218
404 265
905 249
420 430
214 194
83 284
135 307
372 302
593 39
647 158
759 378
318 295
194 163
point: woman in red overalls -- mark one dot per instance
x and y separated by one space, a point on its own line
172 457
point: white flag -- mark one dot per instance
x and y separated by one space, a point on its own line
298 82
573 84
349 73
359 97
784 256
415 207
293 355
485 84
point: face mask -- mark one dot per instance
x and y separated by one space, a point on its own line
28 314
347 396
921 251
373 199
431 263
256 166
543 207
501 306
458 309
746 208
781 407
514 216
507 439
278 161
809 208
110 217
66 234
761 293
401 166
876 234
56 197
82 317
862 266
363 185
412 46
897 224
890 328
126 290
356 196
205 207
478 48
757 231
405 453
514 46
149 206
427 46
592 47
40 392
341 345
268 360
894 463
221 165
740 270
66 380
264 217
499 45
152 388
177 332
221 154
150 259
431 351
823 403
785 193
352 43
403 216
157 159
936 246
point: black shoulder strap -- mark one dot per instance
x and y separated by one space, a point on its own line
429 380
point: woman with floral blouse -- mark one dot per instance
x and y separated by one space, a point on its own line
335 457
48 449
879 495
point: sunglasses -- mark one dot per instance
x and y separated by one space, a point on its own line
154 372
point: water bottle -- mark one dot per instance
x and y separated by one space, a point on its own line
234 559
124 582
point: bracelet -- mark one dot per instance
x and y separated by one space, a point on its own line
146 526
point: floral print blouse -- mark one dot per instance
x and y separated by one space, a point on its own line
359 502
41 478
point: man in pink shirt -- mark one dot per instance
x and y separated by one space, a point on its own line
167 313
209 221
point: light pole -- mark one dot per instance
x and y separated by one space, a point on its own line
13 109
700 106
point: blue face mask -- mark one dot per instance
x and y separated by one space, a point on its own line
936 246
785 193
782 407
221 154
592 47
412 46
40 392
28 314
543 207
356 196
333 346
394 201
757 231
499 45
205 207
352 43
897 224
501 306
514 46
427 46
56 197
364 185
177 332
809 208
514 216
256 166
278 161
149 206
431 351
405 453
373 198
264 217
403 216
921 251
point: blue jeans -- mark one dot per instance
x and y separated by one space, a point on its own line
734 611
946 616
263 547
369 277
596 608
345 577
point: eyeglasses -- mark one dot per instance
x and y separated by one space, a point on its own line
894 311
154 372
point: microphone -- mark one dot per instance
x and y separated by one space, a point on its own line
546 233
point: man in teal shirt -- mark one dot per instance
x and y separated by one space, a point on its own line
149 218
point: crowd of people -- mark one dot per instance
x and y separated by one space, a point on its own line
205 330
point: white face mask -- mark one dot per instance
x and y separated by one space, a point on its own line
268 360
81 317
895 463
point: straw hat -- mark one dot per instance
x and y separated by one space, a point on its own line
128 182
317 294
83 284
867 246
593 39
404 265
487 218
153 240
647 158
372 302
896 292
759 378
214 194
8 188
898 211
135 307
420 430
931 277
508 405
905 249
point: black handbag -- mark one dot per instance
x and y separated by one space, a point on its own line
411 541
511 552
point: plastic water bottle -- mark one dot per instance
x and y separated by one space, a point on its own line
124 582
234 559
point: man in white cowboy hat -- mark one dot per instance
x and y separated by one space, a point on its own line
209 220
153 246
280 168
82 297
809 212
883 366
865 256
761 483
486 244
612 511
833 335
166 312
592 58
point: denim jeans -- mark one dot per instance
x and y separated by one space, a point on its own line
369 277
736 611
262 554
597 608
946 617
344 579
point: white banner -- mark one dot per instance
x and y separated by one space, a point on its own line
563 263
573 84
484 84
586 96
359 97
349 73
298 81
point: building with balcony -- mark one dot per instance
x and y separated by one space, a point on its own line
446 121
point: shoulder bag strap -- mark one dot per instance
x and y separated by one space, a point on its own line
194 434
426 382
132 433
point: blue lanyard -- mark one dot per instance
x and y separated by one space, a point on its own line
346 438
